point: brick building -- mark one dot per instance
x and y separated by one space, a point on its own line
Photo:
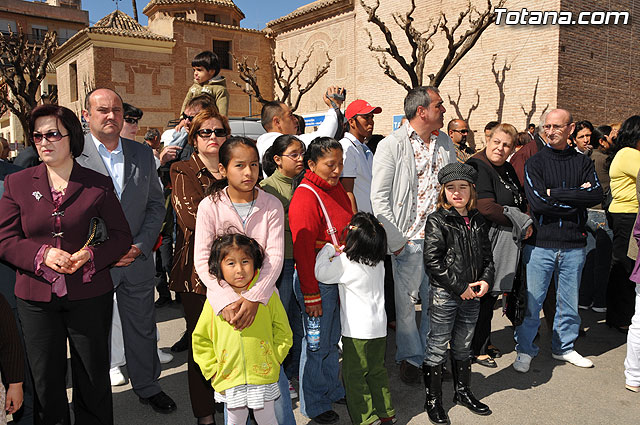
66 17
589 70
151 66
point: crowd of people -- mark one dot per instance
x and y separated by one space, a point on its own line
294 250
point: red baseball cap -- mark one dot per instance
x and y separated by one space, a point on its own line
360 107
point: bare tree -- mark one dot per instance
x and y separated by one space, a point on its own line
456 103
286 75
499 77
23 66
248 74
534 106
4 93
421 43
135 10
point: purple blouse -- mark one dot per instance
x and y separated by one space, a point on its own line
57 280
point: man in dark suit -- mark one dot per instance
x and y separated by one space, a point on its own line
132 169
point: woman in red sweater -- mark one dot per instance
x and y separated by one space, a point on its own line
319 382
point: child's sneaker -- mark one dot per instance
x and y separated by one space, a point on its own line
388 421
292 391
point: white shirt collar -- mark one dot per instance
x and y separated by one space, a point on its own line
104 149
414 134
352 138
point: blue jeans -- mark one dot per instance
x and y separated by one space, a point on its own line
542 263
410 282
320 384
285 288
284 409
453 320
595 275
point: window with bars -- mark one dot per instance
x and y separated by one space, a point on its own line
38 32
222 48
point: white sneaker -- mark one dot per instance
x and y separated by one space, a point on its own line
522 363
574 358
164 357
292 391
116 376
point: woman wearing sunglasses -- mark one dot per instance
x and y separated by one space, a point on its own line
189 180
132 117
63 284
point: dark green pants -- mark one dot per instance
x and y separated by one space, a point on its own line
365 379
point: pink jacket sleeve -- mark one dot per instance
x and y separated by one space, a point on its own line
270 234
205 233
274 253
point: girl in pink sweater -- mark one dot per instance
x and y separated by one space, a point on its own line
235 205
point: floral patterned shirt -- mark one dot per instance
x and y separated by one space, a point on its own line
428 163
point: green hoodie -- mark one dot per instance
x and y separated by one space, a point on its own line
230 358
216 87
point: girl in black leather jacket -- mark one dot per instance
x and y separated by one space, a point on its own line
457 257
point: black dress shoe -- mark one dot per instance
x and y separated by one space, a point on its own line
181 345
160 402
488 362
494 352
328 417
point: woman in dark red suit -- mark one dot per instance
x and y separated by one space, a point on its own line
64 289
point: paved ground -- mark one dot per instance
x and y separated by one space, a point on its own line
551 393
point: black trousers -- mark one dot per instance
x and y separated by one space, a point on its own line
200 390
620 290
482 335
86 324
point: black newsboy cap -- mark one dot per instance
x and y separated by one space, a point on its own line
457 171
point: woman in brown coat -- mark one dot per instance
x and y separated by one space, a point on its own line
189 180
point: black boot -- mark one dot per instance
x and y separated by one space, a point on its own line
433 387
462 391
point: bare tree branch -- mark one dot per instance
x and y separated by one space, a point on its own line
421 44
499 77
286 76
532 110
456 103
320 72
248 74
474 106
23 66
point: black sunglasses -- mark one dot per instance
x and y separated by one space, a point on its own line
187 117
205 133
131 120
52 136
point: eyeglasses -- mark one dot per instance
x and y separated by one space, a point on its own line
294 156
461 131
52 136
553 127
188 117
206 133
130 120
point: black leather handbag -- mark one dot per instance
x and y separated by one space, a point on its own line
97 232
